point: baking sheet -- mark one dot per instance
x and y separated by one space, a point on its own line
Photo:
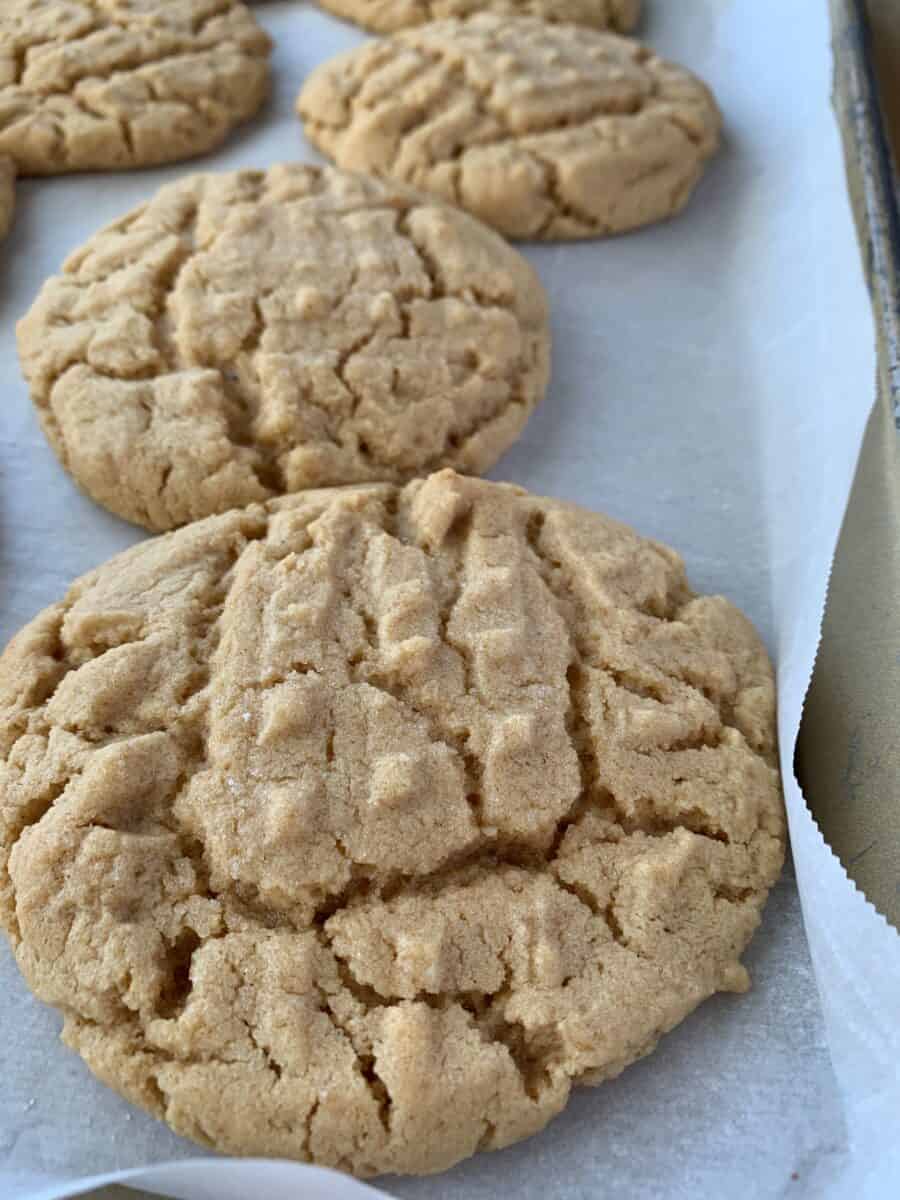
711 382
848 754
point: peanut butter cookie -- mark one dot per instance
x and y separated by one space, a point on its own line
360 826
387 16
543 131
249 334
107 84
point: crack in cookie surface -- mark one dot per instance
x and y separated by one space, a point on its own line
109 84
249 334
340 803
543 131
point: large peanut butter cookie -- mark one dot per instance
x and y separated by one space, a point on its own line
543 131
103 84
248 334
7 193
361 826
387 16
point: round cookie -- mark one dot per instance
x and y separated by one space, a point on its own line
387 16
248 334
7 194
108 84
360 826
543 131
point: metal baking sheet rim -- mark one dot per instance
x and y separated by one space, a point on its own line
856 100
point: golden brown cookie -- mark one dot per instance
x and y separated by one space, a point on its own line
7 193
387 16
360 826
107 84
248 334
543 131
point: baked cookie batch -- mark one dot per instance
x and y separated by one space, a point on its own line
362 815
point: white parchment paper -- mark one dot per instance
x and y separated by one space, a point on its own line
711 383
